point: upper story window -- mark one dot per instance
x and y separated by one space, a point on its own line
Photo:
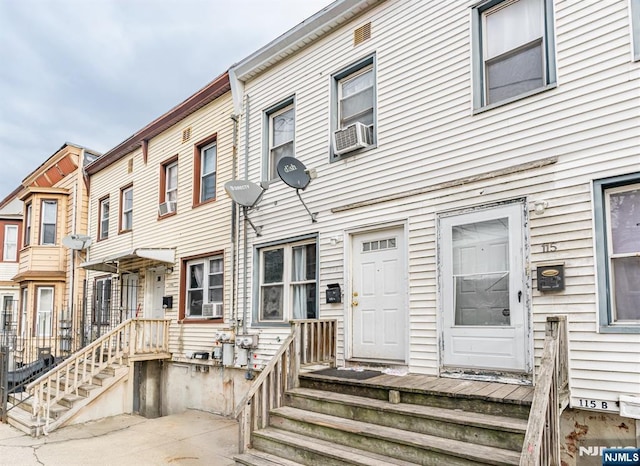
10 250
635 28
205 166
49 217
281 133
513 49
204 288
126 208
353 119
288 282
27 224
168 187
103 218
617 234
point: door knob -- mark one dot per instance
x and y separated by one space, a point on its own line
354 303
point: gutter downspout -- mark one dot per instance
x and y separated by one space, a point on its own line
234 229
244 217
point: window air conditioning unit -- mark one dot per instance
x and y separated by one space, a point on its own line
212 311
355 136
165 208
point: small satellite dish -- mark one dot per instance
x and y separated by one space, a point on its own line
244 192
293 172
77 242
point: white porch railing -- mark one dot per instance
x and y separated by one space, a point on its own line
542 439
135 337
310 341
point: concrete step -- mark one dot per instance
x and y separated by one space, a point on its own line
478 428
260 458
386 441
313 451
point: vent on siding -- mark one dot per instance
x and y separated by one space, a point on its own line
361 34
186 134
130 166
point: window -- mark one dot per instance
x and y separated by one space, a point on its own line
168 187
24 311
353 116
49 219
103 222
635 28
513 49
102 301
205 164
617 234
7 313
288 282
44 311
204 285
126 208
27 222
280 124
10 243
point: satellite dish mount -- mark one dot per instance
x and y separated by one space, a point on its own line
295 174
247 194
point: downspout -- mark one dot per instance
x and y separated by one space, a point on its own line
234 229
244 217
73 252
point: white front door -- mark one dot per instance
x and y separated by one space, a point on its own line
155 292
483 289
378 296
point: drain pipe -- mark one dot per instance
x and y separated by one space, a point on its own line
244 218
234 234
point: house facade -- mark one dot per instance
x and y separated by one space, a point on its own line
11 231
54 206
164 248
457 174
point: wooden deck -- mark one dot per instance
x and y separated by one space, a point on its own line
453 387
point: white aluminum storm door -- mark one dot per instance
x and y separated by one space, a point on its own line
378 301
484 323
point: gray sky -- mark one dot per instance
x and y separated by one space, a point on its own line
93 72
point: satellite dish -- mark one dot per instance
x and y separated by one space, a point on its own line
244 192
77 242
293 172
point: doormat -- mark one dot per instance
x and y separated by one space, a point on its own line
348 374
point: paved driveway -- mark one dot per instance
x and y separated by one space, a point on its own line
191 438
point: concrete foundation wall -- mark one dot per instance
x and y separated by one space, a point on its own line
584 433
203 386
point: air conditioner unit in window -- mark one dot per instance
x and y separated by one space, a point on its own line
165 208
212 311
355 136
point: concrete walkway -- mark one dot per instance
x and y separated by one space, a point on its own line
191 438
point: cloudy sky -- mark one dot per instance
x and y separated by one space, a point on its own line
93 72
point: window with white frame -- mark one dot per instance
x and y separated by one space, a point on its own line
171 182
10 253
617 228
24 311
513 49
204 287
44 311
27 225
126 209
281 136
635 28
103 223
102 301
353 119
7 312
208 162
288 282
49 217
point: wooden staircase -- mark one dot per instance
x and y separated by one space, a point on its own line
387 420
292 418
56 397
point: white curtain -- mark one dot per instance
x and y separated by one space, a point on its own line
299 291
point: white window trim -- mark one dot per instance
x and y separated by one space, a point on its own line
43 213
44 313
27 229
203 150
206 286
104 232
171 193
8 245
635 28
271 170
267 136
287 283
346 79
126 210
103 307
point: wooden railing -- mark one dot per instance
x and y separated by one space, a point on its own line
134 337
310 341
542 442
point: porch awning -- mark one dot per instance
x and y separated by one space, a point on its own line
110 263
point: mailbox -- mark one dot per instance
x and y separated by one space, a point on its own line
550 277
334 294
167 302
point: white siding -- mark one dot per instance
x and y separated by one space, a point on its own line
428 135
